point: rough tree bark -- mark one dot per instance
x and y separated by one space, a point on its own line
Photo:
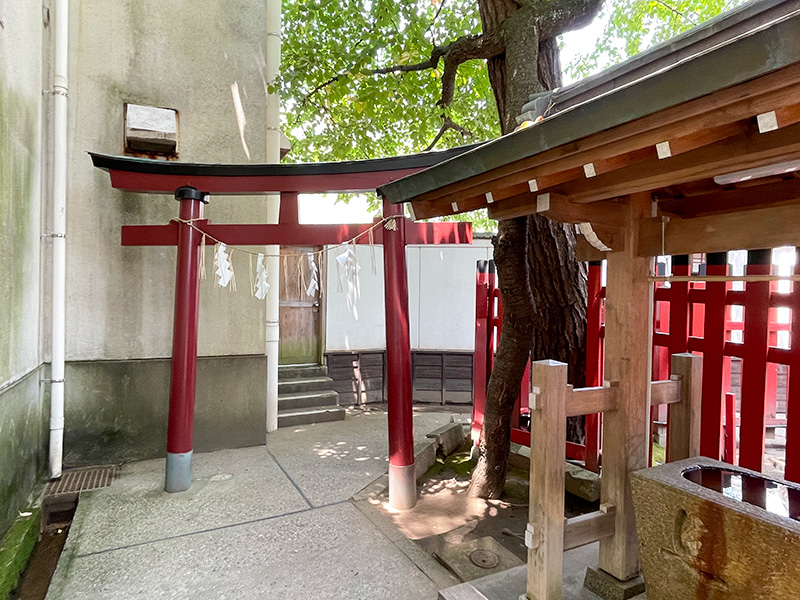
542 284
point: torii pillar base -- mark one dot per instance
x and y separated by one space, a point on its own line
402 486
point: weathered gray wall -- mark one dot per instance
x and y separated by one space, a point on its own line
122 413
21 439
188 55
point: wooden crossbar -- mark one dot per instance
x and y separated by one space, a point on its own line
665 392
591 400
589 528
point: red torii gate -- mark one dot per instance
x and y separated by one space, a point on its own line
194 183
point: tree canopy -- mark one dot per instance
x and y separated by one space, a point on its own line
362 79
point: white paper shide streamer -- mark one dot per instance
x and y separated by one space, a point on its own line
347 266
313 284
222 261
261 284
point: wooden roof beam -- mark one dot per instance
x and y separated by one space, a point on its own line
770 192
742 102
744 230
732 154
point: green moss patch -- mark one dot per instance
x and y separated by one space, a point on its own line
16 550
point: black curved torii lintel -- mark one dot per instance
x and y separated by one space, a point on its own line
152 176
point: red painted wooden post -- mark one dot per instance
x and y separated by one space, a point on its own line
402 480
180 428
289 211
754 364
730 429
479 359
793 393
594 360
678 320
714 363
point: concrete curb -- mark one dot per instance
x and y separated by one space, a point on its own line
425 452
440 576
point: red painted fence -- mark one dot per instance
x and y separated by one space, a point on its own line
697 317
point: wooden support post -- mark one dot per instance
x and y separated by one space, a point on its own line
683 434
629 318
480 363
714 362
793 392
545 535
730 429
752 434
594 359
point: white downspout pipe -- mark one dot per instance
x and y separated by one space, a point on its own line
59 234
273 133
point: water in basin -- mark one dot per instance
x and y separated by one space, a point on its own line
773 496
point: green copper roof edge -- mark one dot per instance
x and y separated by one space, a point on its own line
735 62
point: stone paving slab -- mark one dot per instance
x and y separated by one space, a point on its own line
330 552
231 486
330 462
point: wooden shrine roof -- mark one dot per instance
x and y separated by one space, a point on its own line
689 134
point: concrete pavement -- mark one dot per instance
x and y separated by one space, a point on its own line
261 522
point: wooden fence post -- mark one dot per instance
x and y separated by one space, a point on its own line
628 343
683 435
545 534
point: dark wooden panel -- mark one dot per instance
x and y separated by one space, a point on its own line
438 377
458 385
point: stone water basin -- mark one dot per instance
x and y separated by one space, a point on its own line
711 531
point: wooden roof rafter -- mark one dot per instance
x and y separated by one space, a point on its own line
702 124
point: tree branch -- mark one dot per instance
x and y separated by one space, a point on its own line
448 124
471 47
683 16
433 21
559 16
486 45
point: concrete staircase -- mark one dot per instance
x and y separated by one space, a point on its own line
306 395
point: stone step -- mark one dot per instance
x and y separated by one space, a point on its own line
304 384
305 400
306 416
301 371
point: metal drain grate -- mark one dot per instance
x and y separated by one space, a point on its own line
79 480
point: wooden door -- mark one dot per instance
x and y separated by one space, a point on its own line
299 316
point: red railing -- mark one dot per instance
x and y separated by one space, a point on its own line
699 317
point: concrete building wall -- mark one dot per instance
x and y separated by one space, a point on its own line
441 289
202 58
22 401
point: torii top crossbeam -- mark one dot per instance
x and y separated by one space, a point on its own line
194 183
164 177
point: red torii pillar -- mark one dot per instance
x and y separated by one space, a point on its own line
402 479
402 483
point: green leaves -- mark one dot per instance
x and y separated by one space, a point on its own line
635 25
335 109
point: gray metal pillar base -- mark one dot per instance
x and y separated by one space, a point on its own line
609 587
402 486
179 472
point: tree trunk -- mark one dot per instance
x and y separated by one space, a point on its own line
513 351
542 284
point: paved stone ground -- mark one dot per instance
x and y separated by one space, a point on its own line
262 522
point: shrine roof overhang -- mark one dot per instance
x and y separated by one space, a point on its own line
689 135
146 175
